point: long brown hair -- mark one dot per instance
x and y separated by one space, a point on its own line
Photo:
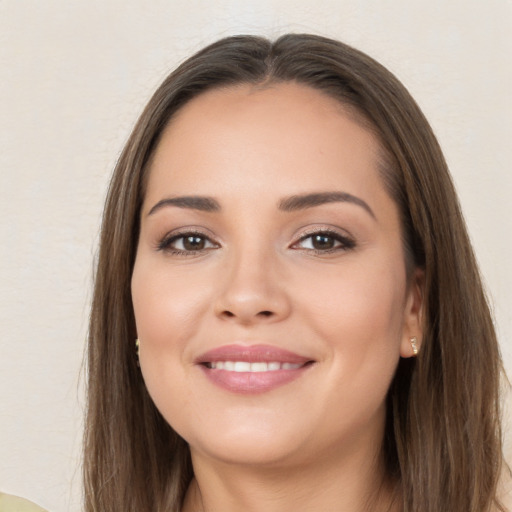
443 439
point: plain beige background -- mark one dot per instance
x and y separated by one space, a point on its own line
75 75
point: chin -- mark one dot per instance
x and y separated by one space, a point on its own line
249 452
264 444
268 439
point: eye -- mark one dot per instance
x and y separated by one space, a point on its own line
325 241
186 243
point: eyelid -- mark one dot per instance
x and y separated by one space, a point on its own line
346 241
164 243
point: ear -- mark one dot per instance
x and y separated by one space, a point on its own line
413 314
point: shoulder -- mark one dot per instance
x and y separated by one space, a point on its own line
506 501
505 488
10 503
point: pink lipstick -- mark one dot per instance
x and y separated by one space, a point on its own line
252 369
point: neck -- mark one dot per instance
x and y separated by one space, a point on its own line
358 484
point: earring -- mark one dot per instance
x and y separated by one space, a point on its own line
137 347
414 345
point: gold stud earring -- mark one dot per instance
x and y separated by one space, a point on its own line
414 345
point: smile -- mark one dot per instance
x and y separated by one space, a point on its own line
252 369
244 366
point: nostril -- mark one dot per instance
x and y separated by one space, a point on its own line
246 317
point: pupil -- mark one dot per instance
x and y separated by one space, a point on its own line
323 242
193 243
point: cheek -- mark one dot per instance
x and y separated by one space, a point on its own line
370 296
169 308
360 323
168 305
358 310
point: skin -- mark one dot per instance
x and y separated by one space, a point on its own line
314 443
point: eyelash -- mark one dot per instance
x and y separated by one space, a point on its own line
166 243
344 243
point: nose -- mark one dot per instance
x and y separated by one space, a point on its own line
253 291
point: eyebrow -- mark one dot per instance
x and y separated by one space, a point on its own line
203 204
289 204
301 202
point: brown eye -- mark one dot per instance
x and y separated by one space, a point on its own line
322 242
194 243
187 243
325 242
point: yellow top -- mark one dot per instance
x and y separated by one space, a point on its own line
10 503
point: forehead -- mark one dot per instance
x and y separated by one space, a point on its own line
286 134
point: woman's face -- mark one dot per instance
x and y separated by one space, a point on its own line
269 288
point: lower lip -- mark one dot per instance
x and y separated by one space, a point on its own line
252 382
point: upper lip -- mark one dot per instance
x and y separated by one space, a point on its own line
251 354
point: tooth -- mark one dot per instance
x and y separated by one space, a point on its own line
242 366
259 367
290 366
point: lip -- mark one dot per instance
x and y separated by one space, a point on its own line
252 382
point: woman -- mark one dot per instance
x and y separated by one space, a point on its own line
283 240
